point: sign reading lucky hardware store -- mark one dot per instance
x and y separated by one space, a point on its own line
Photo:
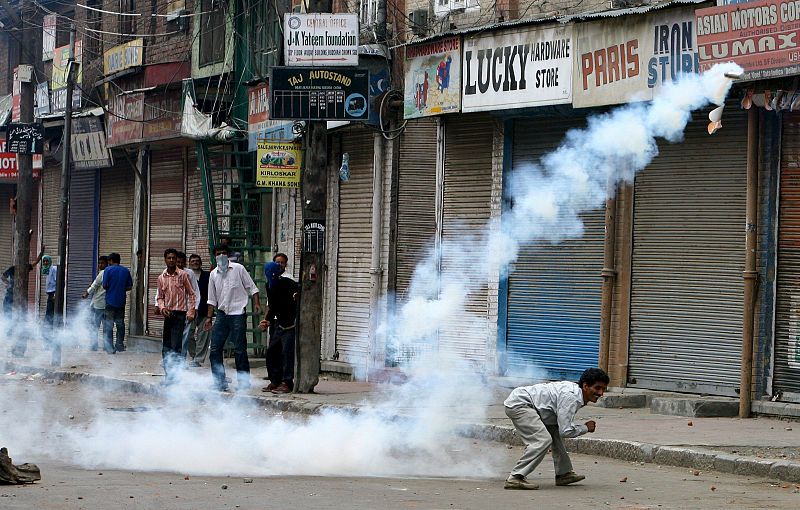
517 69
760 36
306 93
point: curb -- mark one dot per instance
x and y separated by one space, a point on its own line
631 451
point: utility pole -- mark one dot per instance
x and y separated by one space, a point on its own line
66 163
22 237
314 194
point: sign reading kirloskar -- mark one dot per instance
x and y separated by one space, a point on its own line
279 164
760 36
320 39
433 78
629 58
124 56
517 69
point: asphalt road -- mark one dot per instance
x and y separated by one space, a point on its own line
52 410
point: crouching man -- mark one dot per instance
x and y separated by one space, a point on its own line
542 415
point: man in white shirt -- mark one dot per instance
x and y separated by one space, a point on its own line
229 288
98 294
544 413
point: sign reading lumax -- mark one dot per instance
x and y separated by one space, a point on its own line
517 69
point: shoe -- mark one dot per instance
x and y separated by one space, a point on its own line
568 478
121 349
269 387
517 482
92 347
223 388
283 388
195 364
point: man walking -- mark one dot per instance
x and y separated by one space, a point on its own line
198 334
282 309
229 287
542 415
98 294
50 272
187 328
176 303
117 281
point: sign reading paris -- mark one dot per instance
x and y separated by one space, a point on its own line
320 39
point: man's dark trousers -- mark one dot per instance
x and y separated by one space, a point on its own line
172 339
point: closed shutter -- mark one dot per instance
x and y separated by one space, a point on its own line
416 200
688 257
554 290
197 224
116 214
166 221
787 324
51 211
6 227
355 248
82 251
466 205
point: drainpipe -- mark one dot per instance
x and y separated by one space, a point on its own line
750 274
609 275
375 270
273 227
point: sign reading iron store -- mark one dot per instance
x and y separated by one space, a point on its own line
517 69
305 93
760 36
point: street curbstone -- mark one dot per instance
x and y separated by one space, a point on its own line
753 467
725 463
786 471
684 457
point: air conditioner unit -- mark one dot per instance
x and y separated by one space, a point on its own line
418 19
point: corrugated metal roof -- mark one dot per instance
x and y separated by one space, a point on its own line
556 19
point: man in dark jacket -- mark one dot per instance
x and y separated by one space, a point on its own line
196 332
282 295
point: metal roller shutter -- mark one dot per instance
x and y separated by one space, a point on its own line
687 262
355 247
116 214
51 210
787 325
167 214
82 251
196 224
6 227
416 200
554 291
467 190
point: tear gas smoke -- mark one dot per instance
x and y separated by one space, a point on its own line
220 436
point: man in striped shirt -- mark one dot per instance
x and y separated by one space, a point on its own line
176 303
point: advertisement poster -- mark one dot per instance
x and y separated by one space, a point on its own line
58 81
279 164
760 36
517 69
432 78
48 36
88 144
259 125
623 60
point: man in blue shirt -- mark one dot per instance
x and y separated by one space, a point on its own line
117 281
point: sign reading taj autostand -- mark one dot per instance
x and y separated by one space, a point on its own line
25 138
320 39
306 93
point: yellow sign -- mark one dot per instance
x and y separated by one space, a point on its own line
58 79
130 54
278 164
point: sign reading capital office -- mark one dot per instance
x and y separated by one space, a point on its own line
760 36
518 68
320 39
629 58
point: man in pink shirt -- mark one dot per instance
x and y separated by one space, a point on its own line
176 300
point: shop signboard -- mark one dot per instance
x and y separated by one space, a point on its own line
88 144
259 125
8 162
162 115
320 39
279 164
432 78
42 99
318 93
125 119
48 36
619 60
25 138
124 56
58 80
761 36
517 68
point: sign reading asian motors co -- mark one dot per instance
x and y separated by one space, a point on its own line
760 36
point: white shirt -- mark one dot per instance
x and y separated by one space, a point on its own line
556 402
97 292
230 292
195 288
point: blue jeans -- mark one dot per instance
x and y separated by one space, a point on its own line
114 317
233 326
98 314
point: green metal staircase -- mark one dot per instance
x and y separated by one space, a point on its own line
233 207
